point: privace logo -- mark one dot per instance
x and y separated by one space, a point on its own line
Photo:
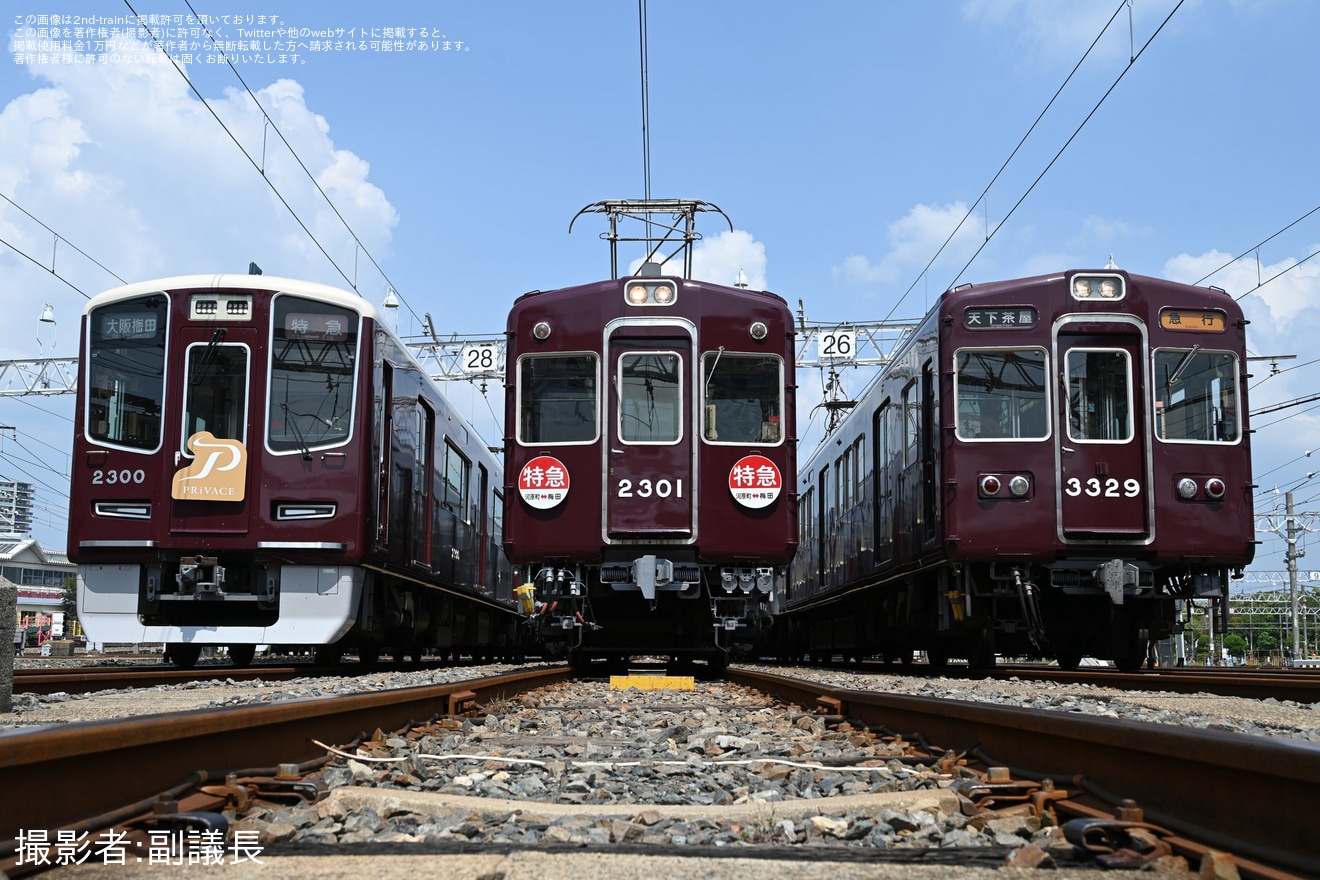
218 473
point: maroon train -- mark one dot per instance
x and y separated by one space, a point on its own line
1043 469
261 461
650 464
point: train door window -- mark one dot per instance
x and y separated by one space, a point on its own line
483 524
650 397
742 398
312 355
457 469
496 538
216 379
806 524
912 423
125 373
1099 395
1000 394
557 399
859 469
1196 396
423 481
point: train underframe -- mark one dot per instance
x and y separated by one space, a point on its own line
240 601
1108 609
649 607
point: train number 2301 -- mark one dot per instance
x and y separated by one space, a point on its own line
1098 488
648 488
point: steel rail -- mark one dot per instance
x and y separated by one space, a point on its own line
56 776
1251 793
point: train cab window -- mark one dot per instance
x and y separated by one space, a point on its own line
650 397
1196 396
216 395
557 400
125 377
743 398
1000 394
312 355
1099 395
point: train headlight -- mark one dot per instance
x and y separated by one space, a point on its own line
758 330
990 486
1018 486
1102 287
541 330
637 294
664 294
1215 488
1186 488
649 292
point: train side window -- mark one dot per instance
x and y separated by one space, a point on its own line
1000 394
742 398
1196 396
457 469
1099 395
912 419
557 399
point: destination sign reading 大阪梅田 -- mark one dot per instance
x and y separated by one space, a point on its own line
1202 320
1000 318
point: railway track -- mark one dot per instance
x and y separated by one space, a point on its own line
1218 784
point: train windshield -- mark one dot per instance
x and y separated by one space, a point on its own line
650 397
1099 395
1001 394
557 399
744 398
313 348
126 372
1196 396
216 399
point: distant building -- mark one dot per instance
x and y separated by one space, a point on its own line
15 508
39 574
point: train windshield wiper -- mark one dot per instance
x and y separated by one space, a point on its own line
1182 365
208 356
290 419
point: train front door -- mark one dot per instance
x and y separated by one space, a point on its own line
648 487
1104 477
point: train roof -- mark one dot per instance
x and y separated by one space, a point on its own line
236 281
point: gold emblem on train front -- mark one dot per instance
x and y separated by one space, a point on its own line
218 472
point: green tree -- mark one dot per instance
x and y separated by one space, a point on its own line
1236 645
69 599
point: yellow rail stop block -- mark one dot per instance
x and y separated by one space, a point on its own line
652 682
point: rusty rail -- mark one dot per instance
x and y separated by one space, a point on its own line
55 776
1248 794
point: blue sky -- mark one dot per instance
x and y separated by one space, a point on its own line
846 140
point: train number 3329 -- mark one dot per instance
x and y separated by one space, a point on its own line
1098 488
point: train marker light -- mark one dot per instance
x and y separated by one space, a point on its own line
541 330
1018 486
990 485
758 330
1186 488
1215 488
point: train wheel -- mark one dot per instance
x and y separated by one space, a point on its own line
327 655
1068 660
937 656
183 656
241 655
369 655
982 655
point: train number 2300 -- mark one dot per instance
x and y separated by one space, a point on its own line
112 477
1098 488
649 488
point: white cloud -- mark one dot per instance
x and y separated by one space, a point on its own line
124 162
912 240
718 259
